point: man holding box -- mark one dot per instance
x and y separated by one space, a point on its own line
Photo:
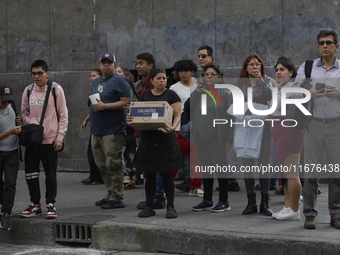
108 122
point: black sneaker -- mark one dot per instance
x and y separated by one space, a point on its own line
233 186
171 213
101 202
5 221
158 203
141 205
183 186
86 181
113 205
147 212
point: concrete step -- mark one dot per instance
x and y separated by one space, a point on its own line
191 233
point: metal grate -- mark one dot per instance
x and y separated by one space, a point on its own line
73 232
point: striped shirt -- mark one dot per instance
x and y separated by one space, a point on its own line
326 107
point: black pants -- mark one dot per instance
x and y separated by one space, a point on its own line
49 159
264 160
150 188
9 165
208 189
212 152
94 170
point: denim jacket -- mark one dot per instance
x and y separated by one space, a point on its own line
247 140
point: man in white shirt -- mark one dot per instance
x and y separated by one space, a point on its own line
186 69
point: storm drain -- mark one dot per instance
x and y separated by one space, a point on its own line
73 232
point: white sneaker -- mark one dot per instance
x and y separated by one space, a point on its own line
279 212
196 193
288 214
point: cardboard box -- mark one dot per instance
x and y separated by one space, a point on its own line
151 115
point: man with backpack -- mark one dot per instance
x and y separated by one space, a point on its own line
55 126
322 136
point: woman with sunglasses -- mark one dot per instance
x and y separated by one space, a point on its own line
253 76
287 144
212 143
159 151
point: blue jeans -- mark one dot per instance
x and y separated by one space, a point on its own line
159 186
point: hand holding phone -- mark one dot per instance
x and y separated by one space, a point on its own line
319 86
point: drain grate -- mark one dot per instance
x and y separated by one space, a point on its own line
73 232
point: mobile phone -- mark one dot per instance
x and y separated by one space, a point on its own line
162 129
320 86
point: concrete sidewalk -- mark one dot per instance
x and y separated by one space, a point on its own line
191 233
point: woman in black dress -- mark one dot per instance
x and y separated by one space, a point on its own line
158 151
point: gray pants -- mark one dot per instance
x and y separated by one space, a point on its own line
322 139
107 152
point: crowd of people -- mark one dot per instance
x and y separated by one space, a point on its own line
159 155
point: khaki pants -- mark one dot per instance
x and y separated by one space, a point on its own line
107 152
322 139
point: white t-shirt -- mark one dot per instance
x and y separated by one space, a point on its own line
184 93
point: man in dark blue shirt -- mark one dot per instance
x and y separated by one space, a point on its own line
108 121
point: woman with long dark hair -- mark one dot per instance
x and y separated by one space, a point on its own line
287 144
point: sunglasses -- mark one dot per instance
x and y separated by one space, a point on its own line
202 56
325 42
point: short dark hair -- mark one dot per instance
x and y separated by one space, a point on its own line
148 58
328 31
40 63
186 65
98 71
215 68
287 64
208 48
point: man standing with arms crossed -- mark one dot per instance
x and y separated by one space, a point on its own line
108 122
323 135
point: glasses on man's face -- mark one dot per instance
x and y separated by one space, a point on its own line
254 64
37 73
211 74
322 43
202 56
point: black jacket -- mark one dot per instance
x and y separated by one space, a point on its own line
225 132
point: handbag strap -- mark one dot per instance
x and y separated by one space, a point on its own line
308 73
49 85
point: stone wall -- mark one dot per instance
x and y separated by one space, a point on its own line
72 34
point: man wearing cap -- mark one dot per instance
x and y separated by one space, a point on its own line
55 126
9 158
108 122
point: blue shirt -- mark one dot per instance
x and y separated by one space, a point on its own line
326 107
109 122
